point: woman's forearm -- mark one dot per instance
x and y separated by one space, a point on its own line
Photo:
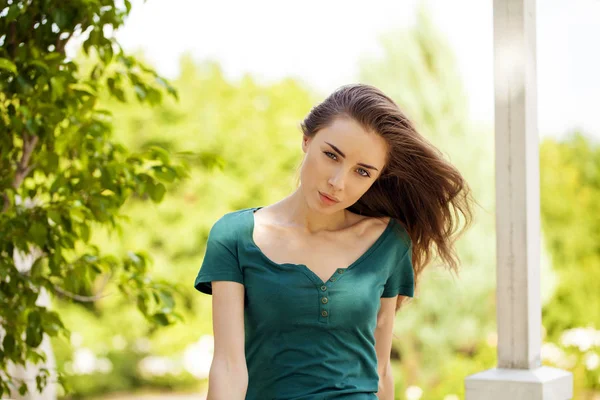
227 381
386 387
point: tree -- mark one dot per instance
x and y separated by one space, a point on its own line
63 174
570 187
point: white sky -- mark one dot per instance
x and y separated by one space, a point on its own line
273 39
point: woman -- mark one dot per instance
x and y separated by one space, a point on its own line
305 290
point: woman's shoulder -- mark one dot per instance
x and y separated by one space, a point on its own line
229 224
396 231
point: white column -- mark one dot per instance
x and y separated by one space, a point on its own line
519 375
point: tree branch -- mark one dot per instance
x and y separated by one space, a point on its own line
86 299
12 39
6 202
23 169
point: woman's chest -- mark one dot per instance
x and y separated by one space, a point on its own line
322 256
289 295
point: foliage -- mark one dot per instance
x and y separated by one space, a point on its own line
570 182
570 189
64 175
248 139
227 176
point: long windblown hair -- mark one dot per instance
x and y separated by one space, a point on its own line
417 186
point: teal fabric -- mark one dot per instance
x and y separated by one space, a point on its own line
304 338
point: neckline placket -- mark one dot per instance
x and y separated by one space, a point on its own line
324 307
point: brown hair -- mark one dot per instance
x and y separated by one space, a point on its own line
417 186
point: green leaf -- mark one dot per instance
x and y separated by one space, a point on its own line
157 192
177 316
136 259
83 87
167 301
57 88
51 323
84 231
77 214
36 268
54 215
164 173
170 89
161 319
8 344
41 65
118 93
8 65
33 336
38 233
141 303
13 12
60 17
51 162
158 153
140 92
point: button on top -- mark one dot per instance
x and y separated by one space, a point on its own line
323 288
324 313
324 300
340 271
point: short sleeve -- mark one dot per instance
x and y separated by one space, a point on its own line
401 279
221 261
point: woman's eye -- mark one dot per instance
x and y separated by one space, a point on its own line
366 174
329 154
362 171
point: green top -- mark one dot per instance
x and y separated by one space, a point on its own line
305 338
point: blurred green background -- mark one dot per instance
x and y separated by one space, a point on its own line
249 137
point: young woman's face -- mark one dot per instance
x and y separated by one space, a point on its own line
342 161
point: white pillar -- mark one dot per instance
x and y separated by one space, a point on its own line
519 375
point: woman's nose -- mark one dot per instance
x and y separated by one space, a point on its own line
337 179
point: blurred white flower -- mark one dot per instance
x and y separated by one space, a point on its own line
76 339
119 342
553 353
451 397
413 393
142 345
583 338
568 362
592 361
156 366
104 365
198 356
84 361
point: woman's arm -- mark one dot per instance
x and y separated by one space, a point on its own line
228 376
386 385
383 347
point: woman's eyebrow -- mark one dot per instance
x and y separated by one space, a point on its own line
344 156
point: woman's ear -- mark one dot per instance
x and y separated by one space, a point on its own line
305 142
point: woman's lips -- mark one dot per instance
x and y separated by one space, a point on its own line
327 199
